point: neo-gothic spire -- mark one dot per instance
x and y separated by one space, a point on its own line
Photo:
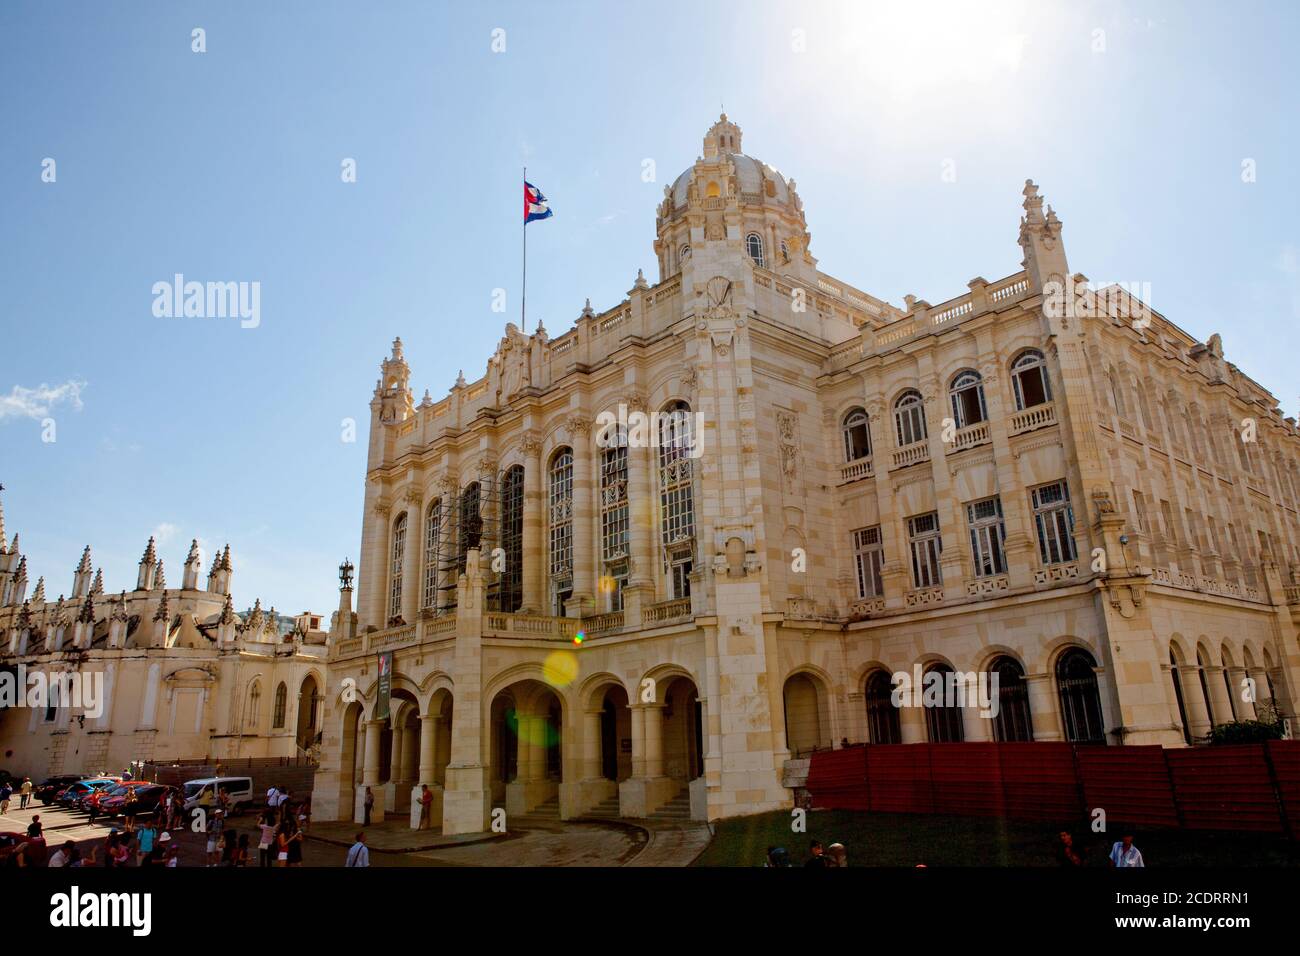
150 553
38 596
97 586
85 565
87 615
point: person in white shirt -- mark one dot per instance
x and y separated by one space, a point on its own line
1124 854
358 855
272 797
60 857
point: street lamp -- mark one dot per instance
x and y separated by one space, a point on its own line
345 575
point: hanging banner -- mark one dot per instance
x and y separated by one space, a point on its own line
385 685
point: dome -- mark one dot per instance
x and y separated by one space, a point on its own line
750 174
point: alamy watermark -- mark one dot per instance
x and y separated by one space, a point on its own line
947 689
38 690
677 428
208 300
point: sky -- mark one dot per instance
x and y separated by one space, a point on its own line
1163 134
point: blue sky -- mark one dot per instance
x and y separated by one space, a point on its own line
225 166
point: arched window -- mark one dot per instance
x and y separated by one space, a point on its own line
1012 721
432 530
909 418
1076 685
511 596
1176 677
857 435
967 396
1205 690
683 254
281 701
754 247
1227 684
943 722
882 716
471 523
395 566
254 704
561 528
677 444
1029 380
1117 393
614 515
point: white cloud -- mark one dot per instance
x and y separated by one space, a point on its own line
37 402
165 532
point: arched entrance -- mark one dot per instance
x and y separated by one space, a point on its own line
807 717
309 700
352 756
526 753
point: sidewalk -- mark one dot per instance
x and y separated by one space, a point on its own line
395 836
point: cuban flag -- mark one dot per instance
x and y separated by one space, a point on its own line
535 206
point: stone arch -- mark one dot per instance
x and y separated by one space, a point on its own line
524 746
806 700
592 688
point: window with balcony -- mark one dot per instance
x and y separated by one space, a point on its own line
1029 380
1054 522
967 396
909 418
857 435
987 534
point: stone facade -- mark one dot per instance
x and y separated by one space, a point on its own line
183 676
1054 487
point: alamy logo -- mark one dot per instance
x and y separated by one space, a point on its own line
212 300
938 688
38 690
74 909
672 429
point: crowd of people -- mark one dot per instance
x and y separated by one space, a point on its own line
819 857
25 790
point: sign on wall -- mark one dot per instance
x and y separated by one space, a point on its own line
385 685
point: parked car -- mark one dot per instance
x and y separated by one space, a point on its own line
93 803
77 792
49 789
149 797
203 792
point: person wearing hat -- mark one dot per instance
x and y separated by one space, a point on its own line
215 828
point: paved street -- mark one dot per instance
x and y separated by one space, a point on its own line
531 842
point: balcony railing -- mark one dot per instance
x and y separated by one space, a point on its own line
971 436
912 454
392 637
855 470
1040 416
539 626
603 623
920 597
666 611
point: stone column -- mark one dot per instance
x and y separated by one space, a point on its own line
654 740
641 497
591 768
1245 708
429 748
638 741
1194 700
1042 706
584 500
1222 706
412 579
534 553
397 766
374 736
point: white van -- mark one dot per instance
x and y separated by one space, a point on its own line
204 792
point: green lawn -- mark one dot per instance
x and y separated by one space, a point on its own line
894 839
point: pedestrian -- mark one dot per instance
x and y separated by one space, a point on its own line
229 847
130 806
147 836
273 797
295 843
304 817
75 857
358 854
266 840
370 804
121 854
426 803
837 854
25 793
62 855
6 792
215 827
178 811
776 857
35 829
818 858
241 851
281 845
110 846
1124 854
173 857
1066 854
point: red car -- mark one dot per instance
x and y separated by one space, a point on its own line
94 803
32 848
148 798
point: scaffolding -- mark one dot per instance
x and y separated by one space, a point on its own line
487 514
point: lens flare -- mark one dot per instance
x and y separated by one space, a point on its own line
560 668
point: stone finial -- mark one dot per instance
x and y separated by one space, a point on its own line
97 586
150 552
587 311
427 400
640 281
160 580
225 559
83 567
460 379
21 573
38 596
87 615
13 547
216 563
228 611
164 612
1215 345
119 608
193 556
397 350
2 527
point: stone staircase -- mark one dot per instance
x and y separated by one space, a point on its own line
607 809
676 809
550 810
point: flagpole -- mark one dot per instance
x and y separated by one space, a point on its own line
523 293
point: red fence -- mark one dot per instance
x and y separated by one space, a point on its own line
1244 787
